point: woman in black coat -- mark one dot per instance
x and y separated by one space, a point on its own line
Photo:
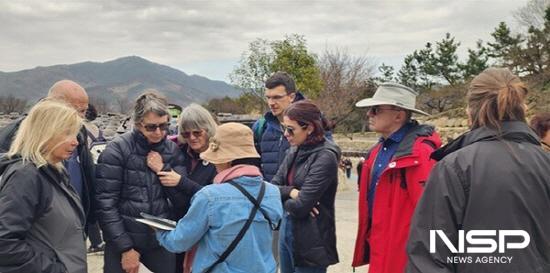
126 186
196 126
308 179
41 214
493 179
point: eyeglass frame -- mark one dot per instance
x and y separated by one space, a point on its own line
195 133
151 127
375 110
276 97
290 130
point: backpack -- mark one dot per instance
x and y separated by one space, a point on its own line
259 132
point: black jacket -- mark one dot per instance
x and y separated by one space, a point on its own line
484 181
201 175
126 186
316 176
87 165
41 220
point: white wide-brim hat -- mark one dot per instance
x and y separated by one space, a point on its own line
393 94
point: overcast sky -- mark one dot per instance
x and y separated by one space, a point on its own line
208 37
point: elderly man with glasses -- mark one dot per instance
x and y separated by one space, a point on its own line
392 177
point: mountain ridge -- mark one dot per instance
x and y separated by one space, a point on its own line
126 76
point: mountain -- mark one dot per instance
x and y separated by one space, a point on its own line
127 77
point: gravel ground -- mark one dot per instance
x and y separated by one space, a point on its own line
346 228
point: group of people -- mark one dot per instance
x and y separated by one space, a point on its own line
262 199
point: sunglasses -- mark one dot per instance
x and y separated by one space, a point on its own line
290 130
153 127
375 110
196 134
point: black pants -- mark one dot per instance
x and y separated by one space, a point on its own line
348 173
180 257
94 234
158 260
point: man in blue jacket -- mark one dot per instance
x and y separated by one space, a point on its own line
270 142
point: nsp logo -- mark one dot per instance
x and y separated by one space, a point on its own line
482 241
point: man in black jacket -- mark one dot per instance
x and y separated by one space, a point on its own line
80 166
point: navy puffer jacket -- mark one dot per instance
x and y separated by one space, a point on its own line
126 186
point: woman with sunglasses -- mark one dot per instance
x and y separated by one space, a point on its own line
126 186
307 179
196 127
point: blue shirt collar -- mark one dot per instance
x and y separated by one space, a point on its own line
398 135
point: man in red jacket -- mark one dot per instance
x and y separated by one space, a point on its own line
392 178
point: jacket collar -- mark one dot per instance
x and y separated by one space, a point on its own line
516 131
142 141
415 131
61 179
304 151
398 135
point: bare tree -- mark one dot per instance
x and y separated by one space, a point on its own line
10 104
122 104
443 98
100 104
532 14
346 80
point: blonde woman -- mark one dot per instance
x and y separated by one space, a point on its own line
41 216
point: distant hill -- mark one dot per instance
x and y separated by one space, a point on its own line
127 76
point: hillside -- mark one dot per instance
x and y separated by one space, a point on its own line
127 76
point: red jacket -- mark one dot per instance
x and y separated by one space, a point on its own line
382 242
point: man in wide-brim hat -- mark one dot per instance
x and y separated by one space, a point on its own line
392 177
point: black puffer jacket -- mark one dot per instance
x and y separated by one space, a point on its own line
200 175
485 181
126 186
316 176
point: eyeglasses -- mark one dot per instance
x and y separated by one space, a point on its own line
153 127
196 134
375 110
290 130
275 98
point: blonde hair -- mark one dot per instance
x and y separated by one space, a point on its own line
47 120
496 95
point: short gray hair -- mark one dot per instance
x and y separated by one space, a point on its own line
151 101
196 117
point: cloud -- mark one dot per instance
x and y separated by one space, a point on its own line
184 33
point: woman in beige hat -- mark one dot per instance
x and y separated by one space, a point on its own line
231 220
307 178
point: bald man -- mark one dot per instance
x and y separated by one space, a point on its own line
80 166
72 93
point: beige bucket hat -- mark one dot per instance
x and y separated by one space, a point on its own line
393 94
232 141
